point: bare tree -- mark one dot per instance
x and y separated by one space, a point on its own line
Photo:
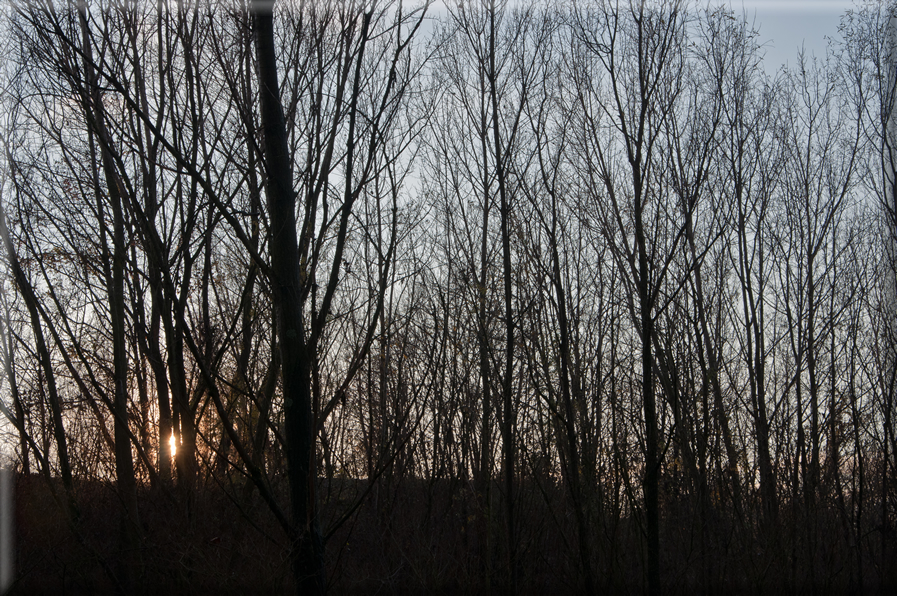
639 53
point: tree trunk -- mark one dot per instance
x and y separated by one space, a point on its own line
509 423
307 549
114 266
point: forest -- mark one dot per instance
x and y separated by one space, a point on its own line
371 297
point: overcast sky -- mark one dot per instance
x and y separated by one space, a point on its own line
785 24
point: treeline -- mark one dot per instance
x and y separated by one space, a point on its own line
589 277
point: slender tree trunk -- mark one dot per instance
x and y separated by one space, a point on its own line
574 467
46 366
8 352
652 464
114 265
485 464
509 423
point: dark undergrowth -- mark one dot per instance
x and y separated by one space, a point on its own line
419 537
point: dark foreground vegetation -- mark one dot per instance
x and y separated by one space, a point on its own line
420 537
486 298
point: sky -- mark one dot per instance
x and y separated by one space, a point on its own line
783 24
786 24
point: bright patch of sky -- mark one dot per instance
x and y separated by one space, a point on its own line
787 25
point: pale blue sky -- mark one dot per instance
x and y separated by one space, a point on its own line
785 24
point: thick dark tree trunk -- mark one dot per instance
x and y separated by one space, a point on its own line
307 548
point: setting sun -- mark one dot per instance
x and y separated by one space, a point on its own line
173 444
